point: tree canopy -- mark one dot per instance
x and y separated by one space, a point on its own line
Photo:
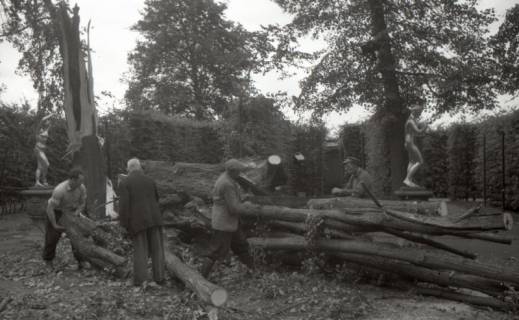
440 48
28 26
190 60
506 49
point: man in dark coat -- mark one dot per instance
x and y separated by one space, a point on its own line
139 213
225 220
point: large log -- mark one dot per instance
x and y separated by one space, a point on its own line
415 256
438 277
461 297
87 249
205 290
421 207
377 220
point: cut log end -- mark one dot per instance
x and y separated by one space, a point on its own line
274 160
219 297
442 210
508 221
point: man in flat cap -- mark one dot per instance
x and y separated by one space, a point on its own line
225 220
357 176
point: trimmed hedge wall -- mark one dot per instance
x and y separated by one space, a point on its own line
306 177
493 130
158 137
462 161
150 135
453 158
436 162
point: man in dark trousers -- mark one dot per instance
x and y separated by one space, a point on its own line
139 213
68 197
225 220
357 176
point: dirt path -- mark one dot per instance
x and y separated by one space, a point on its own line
38 292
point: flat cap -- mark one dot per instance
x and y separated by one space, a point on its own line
234 164
352 160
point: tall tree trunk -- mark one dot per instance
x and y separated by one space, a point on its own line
393 109
80 110
91 159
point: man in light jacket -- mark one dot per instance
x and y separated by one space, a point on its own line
225 220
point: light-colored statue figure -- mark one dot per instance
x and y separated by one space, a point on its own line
415 157
42 134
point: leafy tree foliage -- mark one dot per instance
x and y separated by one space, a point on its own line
440 48
506 50
258 128
190 60
28 26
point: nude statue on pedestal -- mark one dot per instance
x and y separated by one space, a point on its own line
42 134
415 157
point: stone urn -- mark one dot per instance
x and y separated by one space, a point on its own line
36 202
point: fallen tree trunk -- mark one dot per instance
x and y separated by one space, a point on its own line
88 249
301 228
503 221
438 277
375 221
205 290
465 298
351 203
415 256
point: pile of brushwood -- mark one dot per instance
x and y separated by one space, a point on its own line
382 236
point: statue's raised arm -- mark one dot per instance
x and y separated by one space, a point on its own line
415 157
42 135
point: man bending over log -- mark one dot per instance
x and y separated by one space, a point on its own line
68 197
357 176
139 213
225 220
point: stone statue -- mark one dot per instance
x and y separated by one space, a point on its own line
42 134
415 157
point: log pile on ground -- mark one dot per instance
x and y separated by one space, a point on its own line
383 236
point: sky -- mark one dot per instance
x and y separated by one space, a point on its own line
112 40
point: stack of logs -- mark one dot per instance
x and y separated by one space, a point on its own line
347 229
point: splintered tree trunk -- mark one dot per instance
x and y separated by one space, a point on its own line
205 290
418 257
91 159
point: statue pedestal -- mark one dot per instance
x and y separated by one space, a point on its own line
410 193
36 201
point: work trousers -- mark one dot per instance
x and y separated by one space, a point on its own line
221 243
145 243
52 237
